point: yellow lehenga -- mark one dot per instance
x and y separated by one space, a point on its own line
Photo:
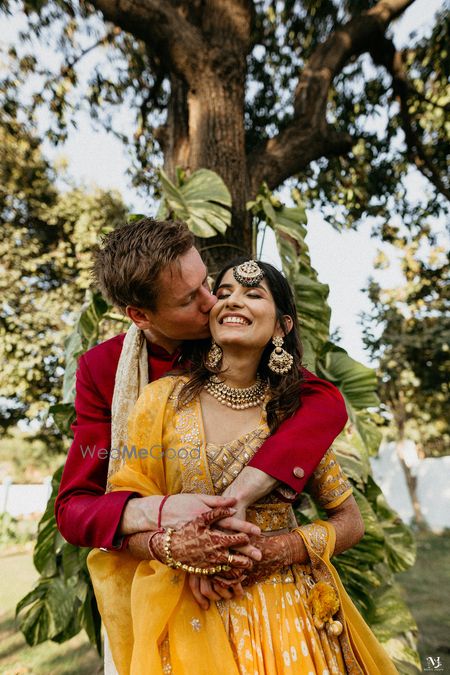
154 625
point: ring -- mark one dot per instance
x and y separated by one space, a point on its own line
230 559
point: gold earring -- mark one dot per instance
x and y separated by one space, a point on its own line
214 356
280 361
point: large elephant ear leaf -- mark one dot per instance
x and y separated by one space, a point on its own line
399 540
357 382
202 201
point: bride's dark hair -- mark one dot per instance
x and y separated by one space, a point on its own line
284 389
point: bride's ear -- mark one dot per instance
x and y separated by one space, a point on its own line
288 324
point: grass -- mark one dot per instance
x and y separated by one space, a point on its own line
75 657
426 591
425 587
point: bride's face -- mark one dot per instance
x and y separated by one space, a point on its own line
243 316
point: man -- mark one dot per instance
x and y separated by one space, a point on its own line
152 272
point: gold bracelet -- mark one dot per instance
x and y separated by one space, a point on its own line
177 564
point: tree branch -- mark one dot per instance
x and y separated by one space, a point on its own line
385 53
308 136
163 27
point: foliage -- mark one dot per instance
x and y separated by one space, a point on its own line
412 342
200 200
387 108
396 126
62 602
45 245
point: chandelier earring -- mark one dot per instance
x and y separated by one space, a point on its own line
214 356
280 361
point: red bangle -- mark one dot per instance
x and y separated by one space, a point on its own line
163 501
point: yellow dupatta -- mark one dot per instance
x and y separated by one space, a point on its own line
361 650
143 602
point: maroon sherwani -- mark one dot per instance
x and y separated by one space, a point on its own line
86 516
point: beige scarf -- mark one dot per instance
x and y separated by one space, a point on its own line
131 378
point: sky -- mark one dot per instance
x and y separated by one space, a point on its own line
343 260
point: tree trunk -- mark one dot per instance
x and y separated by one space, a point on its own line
205 129
411 482
175 141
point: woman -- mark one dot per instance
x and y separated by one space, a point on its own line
294 616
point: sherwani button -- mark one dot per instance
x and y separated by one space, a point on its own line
298 472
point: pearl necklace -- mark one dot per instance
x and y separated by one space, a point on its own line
234 397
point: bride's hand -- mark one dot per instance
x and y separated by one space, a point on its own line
277 552
207 590
198 543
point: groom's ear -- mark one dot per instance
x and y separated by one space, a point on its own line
142 318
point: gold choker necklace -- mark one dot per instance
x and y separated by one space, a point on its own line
234 397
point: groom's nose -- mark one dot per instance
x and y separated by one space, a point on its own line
207 301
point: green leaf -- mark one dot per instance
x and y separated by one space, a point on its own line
64 415
133 217
399 541
91 621
202 201
368 430
46 611
49 540
71 563
206 184
391 617
84 336
352 456
357 382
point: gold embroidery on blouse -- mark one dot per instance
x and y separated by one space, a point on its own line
227 461
276 516
328 481
190 455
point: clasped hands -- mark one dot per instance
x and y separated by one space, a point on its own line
250 555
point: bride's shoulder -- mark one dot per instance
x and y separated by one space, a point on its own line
167 386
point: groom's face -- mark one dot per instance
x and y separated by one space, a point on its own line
184 301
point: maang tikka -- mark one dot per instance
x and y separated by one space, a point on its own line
214 356
248 273
280 361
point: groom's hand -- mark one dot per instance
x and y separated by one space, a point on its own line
141 514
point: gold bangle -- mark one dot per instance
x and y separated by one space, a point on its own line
170 562
190 569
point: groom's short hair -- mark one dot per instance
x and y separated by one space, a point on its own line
130 259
